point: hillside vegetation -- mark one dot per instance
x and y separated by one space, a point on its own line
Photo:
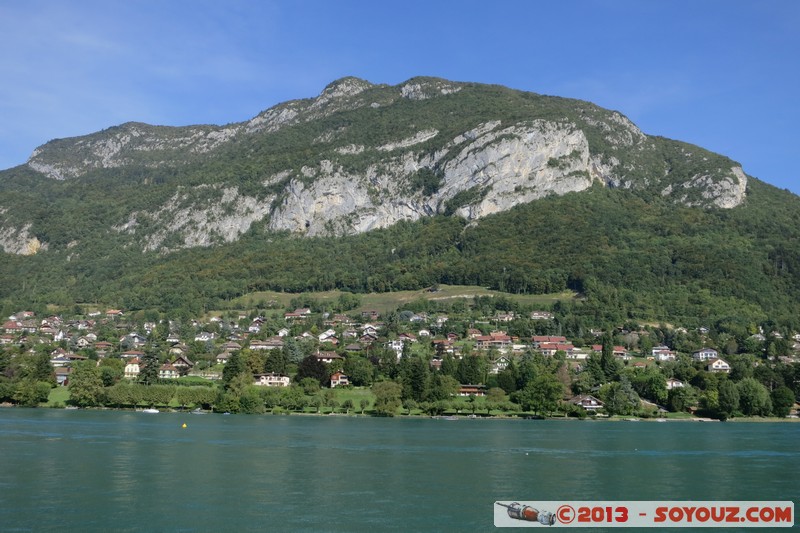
641 227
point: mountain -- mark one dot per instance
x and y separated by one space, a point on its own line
369 174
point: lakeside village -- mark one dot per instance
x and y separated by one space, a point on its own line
407 363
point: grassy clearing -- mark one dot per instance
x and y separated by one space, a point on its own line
58 396
388 301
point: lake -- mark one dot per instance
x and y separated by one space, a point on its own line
132 471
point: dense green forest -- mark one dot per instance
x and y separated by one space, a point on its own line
627 257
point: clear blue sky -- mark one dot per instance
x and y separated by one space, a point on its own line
722 74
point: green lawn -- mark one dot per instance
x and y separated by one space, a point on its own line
58 396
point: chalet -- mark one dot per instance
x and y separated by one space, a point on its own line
396 346
134 340
132 368
255 326
618 351
326 335
499 364
284 332
183 364
472 390
705 354
328 357
338 379
231 346
113 313
436 363
354 348
223 358
370 315
6 339
167 371
62 376
473 333
718 365
587 401
173 338
541 315
443 346
297 314
102 346
205 336
178 349
272 343
504 317
407 337
424 333
369 329
673 383
271 380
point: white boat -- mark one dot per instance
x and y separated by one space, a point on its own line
150 410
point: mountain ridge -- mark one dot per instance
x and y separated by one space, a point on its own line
362 156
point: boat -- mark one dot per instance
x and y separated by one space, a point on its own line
151 410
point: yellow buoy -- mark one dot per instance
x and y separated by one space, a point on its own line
183 426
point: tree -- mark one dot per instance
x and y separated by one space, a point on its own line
86 385
753 398
414 377
347 405
619 397
727 399
442 387
276 362
782 401
41 370
148 373
387 397
312 367
360 371
29 393
542 395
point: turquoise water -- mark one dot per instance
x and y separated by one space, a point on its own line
131 471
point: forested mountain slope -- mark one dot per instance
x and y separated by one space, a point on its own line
374 188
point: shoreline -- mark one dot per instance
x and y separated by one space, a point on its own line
456 417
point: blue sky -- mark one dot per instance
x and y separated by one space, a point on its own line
724 75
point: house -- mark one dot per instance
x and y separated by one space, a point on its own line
326 335
472 390
718 365
407 337
284 332
328 357
205 336
223 358
618 351
132 368
167 371
538 340
183 364
443 346
550 348
297 314
473 333
113 313
499 364
339 379
673 383
541 315
705 354
370 315
62 376
587 401
424 333
272 380
662 353
504 317
496 339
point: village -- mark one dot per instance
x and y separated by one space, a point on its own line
202 349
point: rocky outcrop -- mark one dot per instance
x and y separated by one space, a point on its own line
349 181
